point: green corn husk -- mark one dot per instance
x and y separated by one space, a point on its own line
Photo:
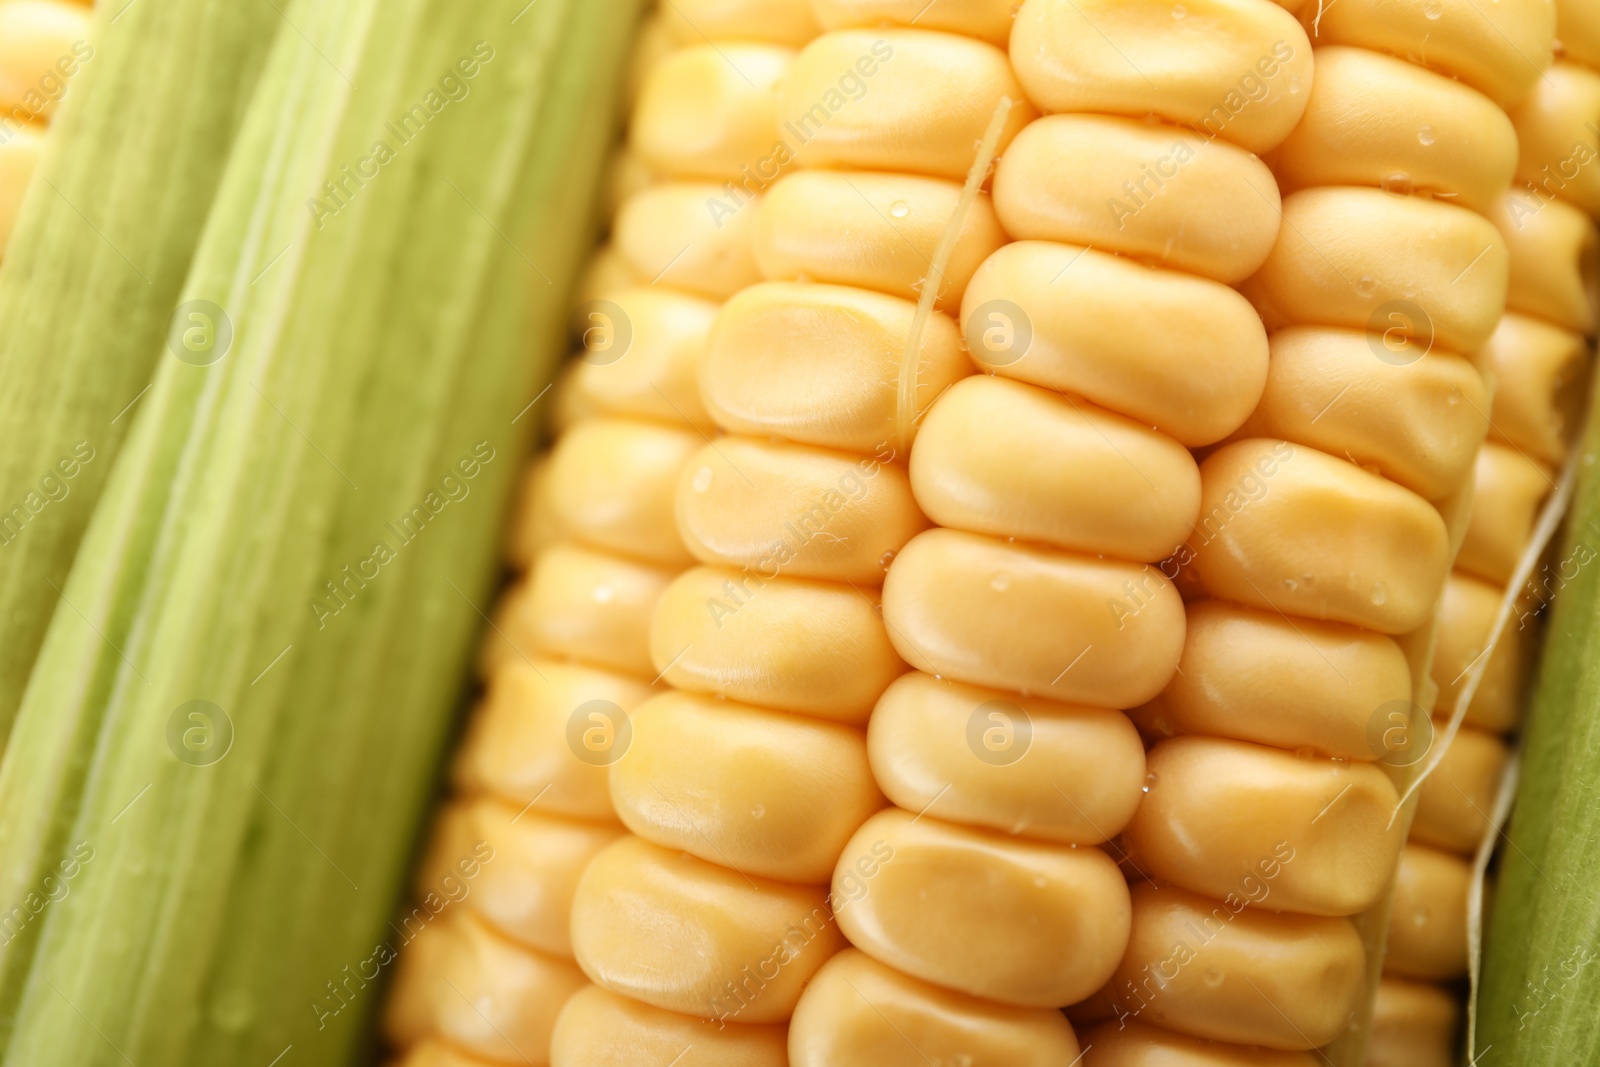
1541 968
93 271
397 335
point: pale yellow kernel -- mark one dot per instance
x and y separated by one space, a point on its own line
1414 1024
875 230
820 364
1156 193
1500 49
1454 803
1578 23
43 46
1555 259
776 21
693 236
764 792
19 158
1416 417
653 41
1287 528
857 1013
1135 1044
612 481
795 510
516 869
1231 68
1361 129
1006 458
988 20
598 1028
626 174
914 100
1228 972
697 938
981 610
1277 830
1255 675
1466 615
518 743
1428 918
439 1054
641 354
1180 353
478 991
818 648
1017 922
606 272
1510 487
589 606
533 526
708 110
1555 130
1021 765
1540 372
1396 266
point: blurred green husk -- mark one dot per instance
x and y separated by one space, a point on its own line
373 349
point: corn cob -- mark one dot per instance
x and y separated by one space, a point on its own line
42 44
567 662
1319 610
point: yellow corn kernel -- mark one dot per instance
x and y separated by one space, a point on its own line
1500 50
1138 1045
709 109
1553 123
530 863
1453 805
1510 487
612 483
1155 193
871 229
1466 615
988 460
589 606
1228 972
1044 769
642 356
793 644
775 21
1287 528
1362 127
1089 57
767 793
989 612
859 1013
1183 354
598 1028
918 100
675 234
987 20
42 43
1413 416
806 512
1012 921
1541 371
696 938
1428 919
606 272
516 745
653 41
1413 1025
1370 260
479 992
1579 26
1293 684
819 364
1555 260
1220 814
438 1054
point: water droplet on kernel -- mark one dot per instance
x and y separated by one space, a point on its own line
1380 594
702 479
1367 285
1290 584
1426 135
1398 182
899 209
886 559
1434 10
1213 977
1294 85
758 811
1000 582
